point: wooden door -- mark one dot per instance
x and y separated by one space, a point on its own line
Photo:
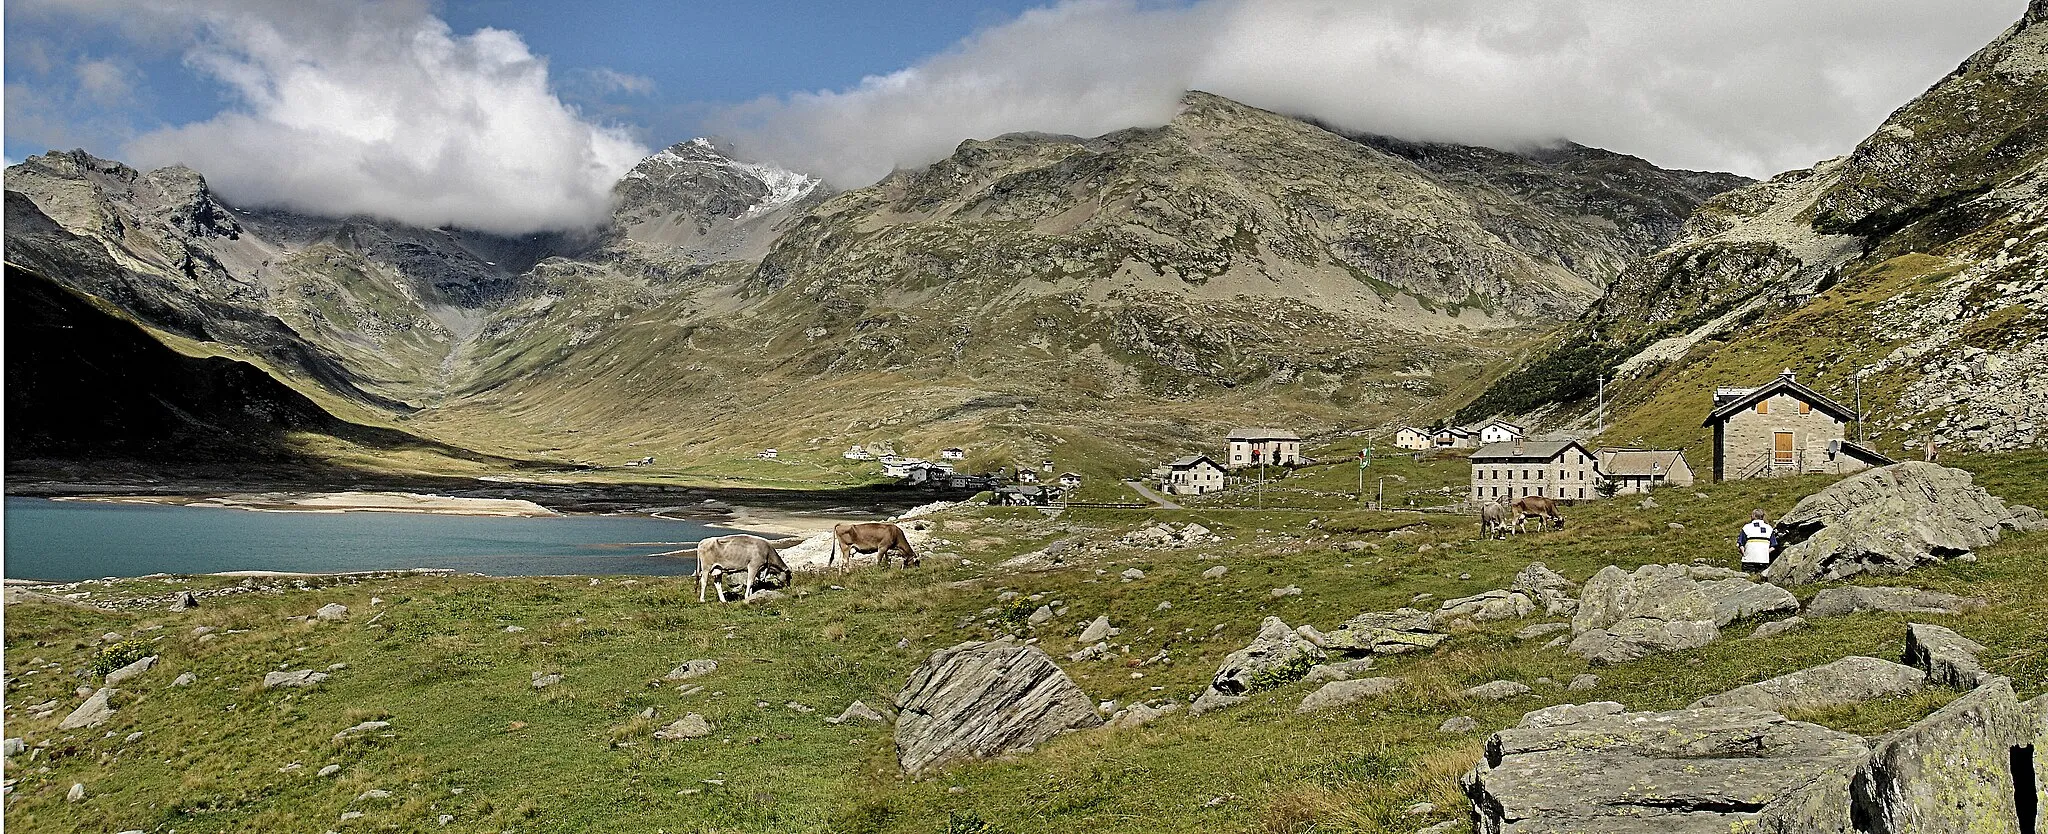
1781 448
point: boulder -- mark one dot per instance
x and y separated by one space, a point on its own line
981 699
1550 589
1541 630
300 679
1212 700
1950 659
1098 630
122 674
1889 520
691 669
1347 692
1498 690
360 729
1627 615
1773 629
1850 680
1139 715
543 680
1492 605
184 601
1385 632
1637 638
858 711
1835 602
1460 724
1277 646
1583 682
1326 672
94 712
1216 572
687 727
1741 599
332 611
185 679
1597 769
1952 771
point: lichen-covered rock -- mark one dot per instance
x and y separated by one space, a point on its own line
1836 602
1347 692
123 674
1889 520
1637 638
1949 658
1276 646
1491 605
1626 615
1741 599
1952 771
1385 632
1552 591
981 699
1775 628
1847 681
1594 768
300 679
1498 690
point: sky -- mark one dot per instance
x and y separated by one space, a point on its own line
517 115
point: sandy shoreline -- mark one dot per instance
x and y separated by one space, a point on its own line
339 502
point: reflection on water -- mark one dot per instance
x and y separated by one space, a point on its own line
68 540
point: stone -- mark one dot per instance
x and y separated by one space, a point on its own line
1347 692
1851 680
1139 715
123 674
689 726
1097 630
373 795
1460 724
1638 638
1276 646
1132 574
184 601
543 680
1211 700
360 729
1551 590
1420 809
1385 632
1890 520
1326 672
691 669
1594 768
1773 629
1289 591
858 711
1100 649
1498 690
1950 659
1647 504
1582 682
1216 572
1486 607
94 712
981 699
1040 615
76 794
332 611
1853 599
14 747
1741 599
329 770
1625 615
765 595
300 679
1314 637
514 629
1952 771
1541 630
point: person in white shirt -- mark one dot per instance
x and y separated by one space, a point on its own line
1757 541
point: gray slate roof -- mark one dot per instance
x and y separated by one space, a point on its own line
1262 434
1531 450
1642 462
1189 462
1727 405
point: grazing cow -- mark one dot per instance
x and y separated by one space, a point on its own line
1537 507
870 537
1493 522
720 555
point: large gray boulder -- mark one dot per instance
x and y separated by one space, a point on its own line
1638 637
1347 692
1270 654
1889 520
1949 658
1624 615
1721 769
1853 599
1386 632
1851 680
1485 607
1953 771
94 712
1551 590
123 674
982 699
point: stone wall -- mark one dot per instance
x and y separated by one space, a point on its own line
1572 475
1747 436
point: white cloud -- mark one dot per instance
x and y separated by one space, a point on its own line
380 109
104 80
1753 86
608 80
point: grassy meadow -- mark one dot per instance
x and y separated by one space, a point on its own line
473 741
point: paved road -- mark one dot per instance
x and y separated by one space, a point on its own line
1151 496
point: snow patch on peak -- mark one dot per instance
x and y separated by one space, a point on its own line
784 186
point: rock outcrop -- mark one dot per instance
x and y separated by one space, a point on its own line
1624 616
1954 770
1949 659
982 699
1347 692
94 712
1385 632
1850 680
1854 599
1550 589
1485 607
1890 520
1256 665
1720 769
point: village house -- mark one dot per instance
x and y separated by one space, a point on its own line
1641 470
858 453
1454 437
767 454
1070 479
1027 476
895 466
1561 469
1251 447
1191 475
1783 428
1499 431
952 453
1410 437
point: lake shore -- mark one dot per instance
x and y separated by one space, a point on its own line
339 502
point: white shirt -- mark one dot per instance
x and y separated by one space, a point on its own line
1756 542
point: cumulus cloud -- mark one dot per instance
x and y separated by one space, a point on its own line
380 109
1752 86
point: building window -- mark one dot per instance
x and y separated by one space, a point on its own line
1804 407
1763 406
1582 492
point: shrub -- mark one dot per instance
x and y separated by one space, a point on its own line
118 655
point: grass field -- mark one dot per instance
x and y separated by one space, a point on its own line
470 737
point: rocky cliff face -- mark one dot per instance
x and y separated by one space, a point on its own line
1917 259
694 203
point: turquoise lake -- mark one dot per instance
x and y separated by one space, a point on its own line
70 540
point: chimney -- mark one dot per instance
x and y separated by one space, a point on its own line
1787 375
1518 445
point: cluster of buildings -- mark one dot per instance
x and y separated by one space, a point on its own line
1243 448
1456 437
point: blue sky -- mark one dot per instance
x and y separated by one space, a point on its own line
516 115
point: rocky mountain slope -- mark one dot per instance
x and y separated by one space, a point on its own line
1918 260
1143 288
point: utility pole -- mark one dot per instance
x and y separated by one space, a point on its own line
1600 422
1859 405
1380 502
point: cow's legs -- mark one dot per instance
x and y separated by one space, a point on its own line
753 575
703 581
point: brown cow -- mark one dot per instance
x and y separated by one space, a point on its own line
1537 507
874 537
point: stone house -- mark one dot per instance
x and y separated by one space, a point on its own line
1251 447
1561 469
1783 428
1027 476
1499 431
1410 437
1070 479
1641 470
1454 437
1191 475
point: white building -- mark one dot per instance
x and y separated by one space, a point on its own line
1454 437
1251 447
1410 437
857 453
1499 431
1191 475
1070 479
953 453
